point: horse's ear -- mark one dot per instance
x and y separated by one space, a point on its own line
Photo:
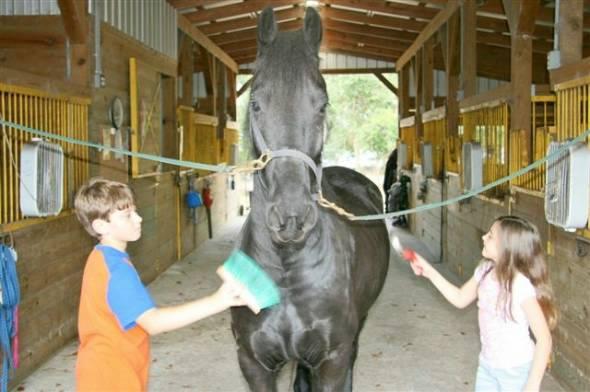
312 29
267 28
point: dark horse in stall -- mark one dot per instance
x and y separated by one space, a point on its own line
329 269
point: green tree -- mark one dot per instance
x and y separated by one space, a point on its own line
362 115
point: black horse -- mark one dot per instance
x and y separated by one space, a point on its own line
329 269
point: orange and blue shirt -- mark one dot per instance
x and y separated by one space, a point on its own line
114 352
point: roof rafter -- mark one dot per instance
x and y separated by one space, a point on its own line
235 9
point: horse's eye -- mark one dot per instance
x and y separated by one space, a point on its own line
255 106
324 108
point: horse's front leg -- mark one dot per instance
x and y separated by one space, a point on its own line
258 377
334 374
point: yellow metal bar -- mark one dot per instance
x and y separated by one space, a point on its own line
3 201
11 172
178 228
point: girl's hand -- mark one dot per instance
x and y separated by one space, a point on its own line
420 266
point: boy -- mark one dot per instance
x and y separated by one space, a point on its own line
117 313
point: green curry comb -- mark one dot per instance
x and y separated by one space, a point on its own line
259 290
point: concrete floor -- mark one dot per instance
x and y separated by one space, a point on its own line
413 340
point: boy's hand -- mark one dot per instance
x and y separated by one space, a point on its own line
230 294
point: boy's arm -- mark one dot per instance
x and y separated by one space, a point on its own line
157 320
458 297
540 329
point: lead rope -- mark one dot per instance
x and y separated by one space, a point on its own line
8 313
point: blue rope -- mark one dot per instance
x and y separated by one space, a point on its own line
225 168
99 147
10 299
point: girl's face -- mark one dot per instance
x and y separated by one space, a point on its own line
491 243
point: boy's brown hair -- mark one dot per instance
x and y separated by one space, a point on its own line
98 198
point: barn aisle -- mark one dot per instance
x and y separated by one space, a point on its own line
413 339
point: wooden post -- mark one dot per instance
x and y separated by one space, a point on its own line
468 49
571 23
451 45
521 16
232 98
404 89
417 68
428 75
221 101
186 70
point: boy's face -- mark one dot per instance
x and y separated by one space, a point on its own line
123 226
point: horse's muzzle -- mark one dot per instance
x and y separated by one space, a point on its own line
288 226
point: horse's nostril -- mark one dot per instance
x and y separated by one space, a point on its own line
274 220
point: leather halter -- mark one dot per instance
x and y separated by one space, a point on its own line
288 153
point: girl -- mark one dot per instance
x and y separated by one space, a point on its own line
514 294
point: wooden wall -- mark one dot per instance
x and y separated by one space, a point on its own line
52 254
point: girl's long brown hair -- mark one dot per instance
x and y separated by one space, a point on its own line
522 252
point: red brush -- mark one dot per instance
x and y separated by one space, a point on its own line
409 255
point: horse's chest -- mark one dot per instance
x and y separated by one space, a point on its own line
307 334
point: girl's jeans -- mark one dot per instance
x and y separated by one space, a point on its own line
491 379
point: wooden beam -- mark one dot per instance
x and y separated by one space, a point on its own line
521 71
363 40
221 101
184 4
373 20
418 92
404 103
206 43
236 48
571 19
231 96
237 36
452 71
386 7
428 31
570 72
502 93
369 31
50 85
528 16
386 82
234 10
385 54
469 49
521 15
186 66
19 31
428 74
19 39
244 87
248 22
335 44
75 19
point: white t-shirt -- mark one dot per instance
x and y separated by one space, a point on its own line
505 340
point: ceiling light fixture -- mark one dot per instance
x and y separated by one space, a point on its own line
312 3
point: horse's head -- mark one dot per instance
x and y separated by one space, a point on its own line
287 108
